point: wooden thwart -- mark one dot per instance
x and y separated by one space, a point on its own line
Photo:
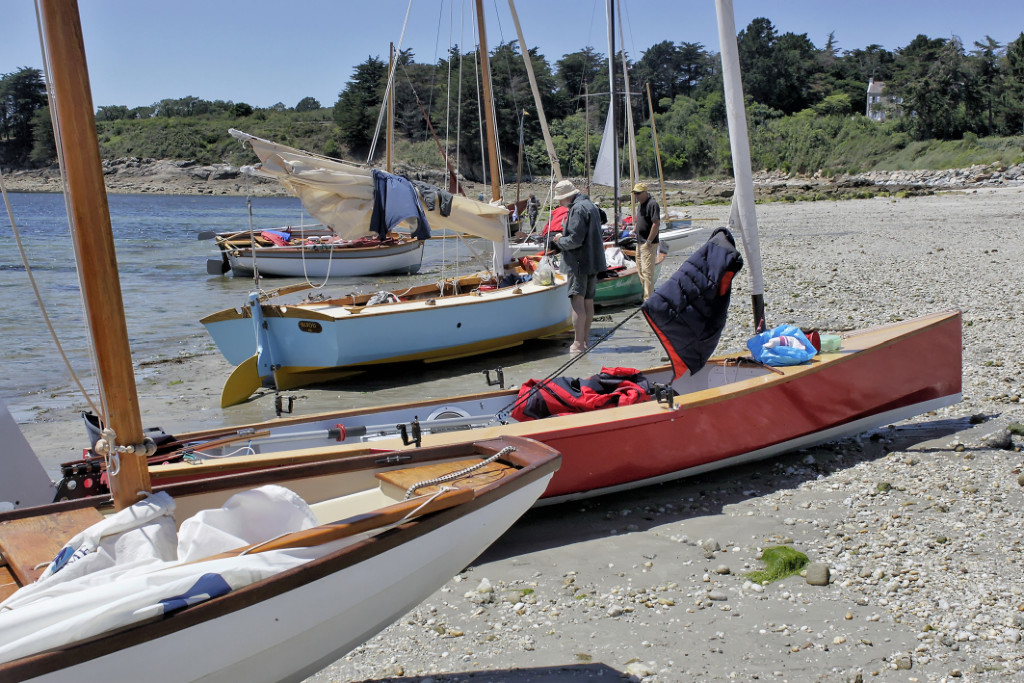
402 479
32 541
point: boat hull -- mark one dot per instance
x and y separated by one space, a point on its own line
724 415
294 634
626 288
314 338
291 624
322 261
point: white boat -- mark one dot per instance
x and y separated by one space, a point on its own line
313 252
323 558
267 575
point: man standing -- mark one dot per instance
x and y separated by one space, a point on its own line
532 209
647 222
582 258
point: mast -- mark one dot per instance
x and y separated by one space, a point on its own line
390 129
94 243
488 98
634 172
611 114
556 169
657 154
743 212
586 127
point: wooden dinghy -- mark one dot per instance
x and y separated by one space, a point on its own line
731 411
388 529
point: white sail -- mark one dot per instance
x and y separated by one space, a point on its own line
604 168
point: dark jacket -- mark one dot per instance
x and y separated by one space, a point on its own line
582 243
689 310
396 200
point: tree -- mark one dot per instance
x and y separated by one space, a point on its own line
241 109
22 93
44 147
116 112
308 104
985 68
1013 87
359 103
931 77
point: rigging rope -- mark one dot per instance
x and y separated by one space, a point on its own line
58 143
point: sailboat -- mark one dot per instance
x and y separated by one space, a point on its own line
337 249
313 251
265 576
731 411
300 343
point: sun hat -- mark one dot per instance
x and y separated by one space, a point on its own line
563 189
640 187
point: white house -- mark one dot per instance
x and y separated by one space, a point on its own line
881 105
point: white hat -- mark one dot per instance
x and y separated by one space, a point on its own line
563 189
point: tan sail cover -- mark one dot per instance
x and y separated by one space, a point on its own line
340 195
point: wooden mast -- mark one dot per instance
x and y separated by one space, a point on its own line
488 97
611 113
94 241
556 168
657 154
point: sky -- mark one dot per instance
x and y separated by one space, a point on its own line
266 51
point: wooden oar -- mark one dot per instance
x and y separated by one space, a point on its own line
356 524
241 383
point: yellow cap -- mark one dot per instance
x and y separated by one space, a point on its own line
640 187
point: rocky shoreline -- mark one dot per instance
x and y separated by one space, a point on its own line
165 176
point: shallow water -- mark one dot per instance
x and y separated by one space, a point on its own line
164 283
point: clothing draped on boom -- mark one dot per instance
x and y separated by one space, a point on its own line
688 311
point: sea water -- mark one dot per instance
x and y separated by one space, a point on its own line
164 283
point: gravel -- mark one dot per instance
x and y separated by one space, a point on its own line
914 531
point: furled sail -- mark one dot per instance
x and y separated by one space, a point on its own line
340 194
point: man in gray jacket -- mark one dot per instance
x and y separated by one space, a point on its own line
582 248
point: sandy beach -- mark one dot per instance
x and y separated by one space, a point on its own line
919 525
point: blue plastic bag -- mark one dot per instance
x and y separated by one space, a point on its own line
783 345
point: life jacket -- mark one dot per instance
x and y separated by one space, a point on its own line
557 220
566 395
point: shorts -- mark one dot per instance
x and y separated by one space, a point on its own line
582 285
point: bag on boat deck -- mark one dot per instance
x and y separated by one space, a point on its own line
565 395
544 275
783 345
276 237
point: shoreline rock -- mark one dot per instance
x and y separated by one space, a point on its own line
131 175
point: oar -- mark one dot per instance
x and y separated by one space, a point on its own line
242 383
357 524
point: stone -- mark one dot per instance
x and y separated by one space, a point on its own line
818 574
